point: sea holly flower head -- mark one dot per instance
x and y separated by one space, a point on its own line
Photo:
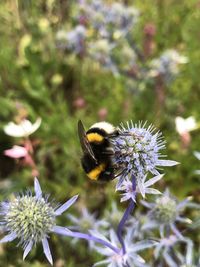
87 221
120 259
23 129
165 212
31 219
137 152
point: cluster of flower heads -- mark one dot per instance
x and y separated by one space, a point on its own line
141 232
104 33
118 237
111 20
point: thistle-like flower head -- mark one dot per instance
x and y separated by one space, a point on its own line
30 219
165 212
120 259
85 222
137 152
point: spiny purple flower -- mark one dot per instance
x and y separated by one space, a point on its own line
120 259
31 219
165 212
143 187
137 152
87 221
167 250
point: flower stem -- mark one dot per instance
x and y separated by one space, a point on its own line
127 212
95 239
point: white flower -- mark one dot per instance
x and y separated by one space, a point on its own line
25 128
185 125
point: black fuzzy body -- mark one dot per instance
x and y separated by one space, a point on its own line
103 155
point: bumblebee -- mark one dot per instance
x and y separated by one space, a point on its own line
97 159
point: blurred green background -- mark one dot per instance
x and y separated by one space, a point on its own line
39 80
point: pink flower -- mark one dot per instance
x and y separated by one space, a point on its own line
16 152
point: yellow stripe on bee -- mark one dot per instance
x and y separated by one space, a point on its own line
94 174
95 137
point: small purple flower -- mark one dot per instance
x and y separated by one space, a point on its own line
31 219
128 191
143 187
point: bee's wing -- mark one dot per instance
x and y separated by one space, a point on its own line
86 147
